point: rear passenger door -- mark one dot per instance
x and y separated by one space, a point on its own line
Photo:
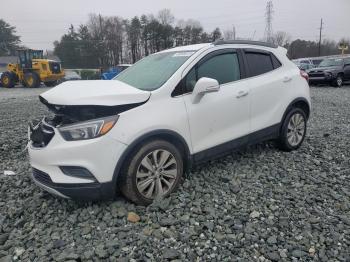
268 84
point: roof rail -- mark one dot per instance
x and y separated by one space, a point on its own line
245 42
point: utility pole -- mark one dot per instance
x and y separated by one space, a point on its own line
268 19
254 35
234 32
320 40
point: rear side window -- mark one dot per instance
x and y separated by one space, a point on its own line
259 63
223 67
276 63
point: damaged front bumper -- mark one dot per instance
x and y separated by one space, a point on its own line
80 170
77 191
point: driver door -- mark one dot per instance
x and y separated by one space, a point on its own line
219 120
347 68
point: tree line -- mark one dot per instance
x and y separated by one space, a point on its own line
105 41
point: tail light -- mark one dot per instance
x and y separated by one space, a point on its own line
304 75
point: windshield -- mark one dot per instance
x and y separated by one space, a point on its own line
153 71
331 62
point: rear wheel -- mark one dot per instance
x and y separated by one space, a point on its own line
7 80
31 80
338 82
50 83
293 130
155 170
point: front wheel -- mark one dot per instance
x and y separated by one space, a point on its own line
293 130
31 80
155 170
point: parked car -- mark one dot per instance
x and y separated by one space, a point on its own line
71 75
303 66
308 62
305 61
331 71
113 72
171 110
316 61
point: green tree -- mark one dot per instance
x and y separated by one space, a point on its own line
216 34
88 51
134 35
68 49
9 41
144 34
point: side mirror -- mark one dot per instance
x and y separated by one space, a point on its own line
204 85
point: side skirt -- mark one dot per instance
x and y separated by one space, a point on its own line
265 134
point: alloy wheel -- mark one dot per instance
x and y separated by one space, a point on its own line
296 129
156 174
339 81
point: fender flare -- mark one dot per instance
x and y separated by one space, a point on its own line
291 105
153 134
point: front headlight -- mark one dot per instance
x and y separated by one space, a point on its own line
88 129
328 73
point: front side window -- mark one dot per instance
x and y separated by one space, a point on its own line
259 63
224 68
153 71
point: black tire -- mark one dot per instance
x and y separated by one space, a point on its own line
128 180
50 83
31 80
7 80
283 142
338 81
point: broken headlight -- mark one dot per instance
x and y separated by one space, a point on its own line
88 129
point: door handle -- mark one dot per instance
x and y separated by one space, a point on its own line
242 94
286 79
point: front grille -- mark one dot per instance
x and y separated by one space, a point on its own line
55 67
41 177
316 74
41 134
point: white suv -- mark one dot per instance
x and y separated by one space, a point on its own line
141 131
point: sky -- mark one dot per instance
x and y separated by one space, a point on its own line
40 22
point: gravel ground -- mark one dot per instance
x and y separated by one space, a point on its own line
259 204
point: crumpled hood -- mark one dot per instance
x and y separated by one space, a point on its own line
95 92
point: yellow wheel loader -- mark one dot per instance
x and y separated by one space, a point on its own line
31 70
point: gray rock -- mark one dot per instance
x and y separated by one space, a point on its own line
273 256
298 253
58 243
272 240
3 238
170 253
6 259
211 217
